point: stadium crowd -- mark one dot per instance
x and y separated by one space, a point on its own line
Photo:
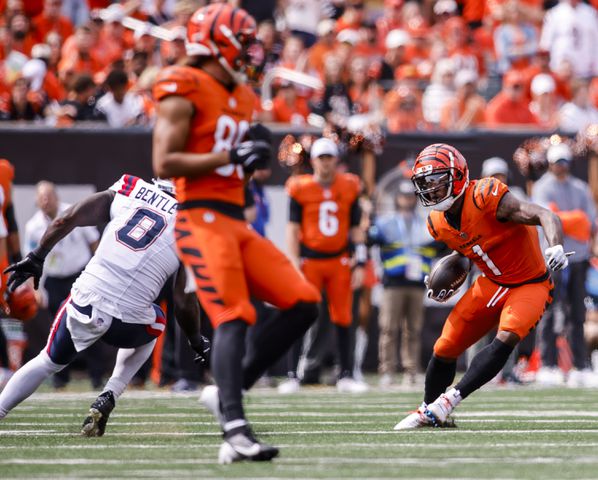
400 65
391 66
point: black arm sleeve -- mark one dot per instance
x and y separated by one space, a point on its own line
355 213
11 221
249 201
295 211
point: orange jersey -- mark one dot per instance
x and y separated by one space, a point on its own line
7 175
220 122
325 213
507 253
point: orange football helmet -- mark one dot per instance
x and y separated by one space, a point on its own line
440 176
226 33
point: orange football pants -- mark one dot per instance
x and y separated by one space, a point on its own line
333 276
486 306
231 263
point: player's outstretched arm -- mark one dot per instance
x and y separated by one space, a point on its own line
187 313
170 135
92 211
514 210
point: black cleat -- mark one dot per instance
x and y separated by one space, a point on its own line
244 446
95 423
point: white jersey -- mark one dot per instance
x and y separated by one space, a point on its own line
136 254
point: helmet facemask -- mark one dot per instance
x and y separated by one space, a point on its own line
435 188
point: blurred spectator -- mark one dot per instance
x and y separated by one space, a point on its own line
111 42
81 59
20 105
50 86
364 91
352 17
443 10
174 51
136 64
389 21
544 104
570 198
293 54
402 110
324 45
80 103
51 20
159 12
406 254
335 104
76 11
303 16
271 44
395 56
53 55
18 36
439 91
510 106
541 64
419 51
144 41
121 107
457 37
466 109
579 113
515 39
570 32
288 106
62 266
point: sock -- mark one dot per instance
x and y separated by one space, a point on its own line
276 336
439 375
361 345
343 340
293 356
128 363
228 348
26 381
484 367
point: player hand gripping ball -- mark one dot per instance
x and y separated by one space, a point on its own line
446 277
30 266
252 155
556 258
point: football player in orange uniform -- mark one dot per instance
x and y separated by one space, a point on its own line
204 140
483 221
324 219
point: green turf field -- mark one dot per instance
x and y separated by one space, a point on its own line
514 434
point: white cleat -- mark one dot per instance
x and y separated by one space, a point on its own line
550 377
349 385
289 386
416 419
244 446
440 409
210 399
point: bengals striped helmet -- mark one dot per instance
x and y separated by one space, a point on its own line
440 176
226 33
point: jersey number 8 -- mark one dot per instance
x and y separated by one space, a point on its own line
141 229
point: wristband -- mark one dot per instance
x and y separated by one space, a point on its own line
361 254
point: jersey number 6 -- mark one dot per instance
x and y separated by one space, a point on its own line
327 220
141 229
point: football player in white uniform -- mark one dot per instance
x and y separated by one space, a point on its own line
113 297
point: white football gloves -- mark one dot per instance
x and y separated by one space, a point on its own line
556 258
442 296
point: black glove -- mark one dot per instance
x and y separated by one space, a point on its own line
30 266
253 155
258 131
202 350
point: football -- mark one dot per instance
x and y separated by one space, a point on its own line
22 303
447 276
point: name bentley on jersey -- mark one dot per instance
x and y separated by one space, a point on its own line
158 200
136 254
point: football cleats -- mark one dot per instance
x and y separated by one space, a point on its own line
226 33
440 176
